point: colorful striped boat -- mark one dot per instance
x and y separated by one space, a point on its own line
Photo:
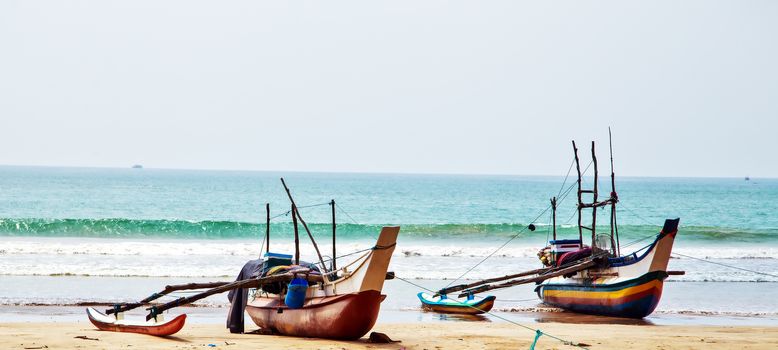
596 278
630 286
443 304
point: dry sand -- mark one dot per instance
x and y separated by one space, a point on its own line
455 335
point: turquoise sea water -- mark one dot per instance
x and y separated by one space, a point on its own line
114 224
181 204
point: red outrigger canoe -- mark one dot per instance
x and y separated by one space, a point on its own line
108 323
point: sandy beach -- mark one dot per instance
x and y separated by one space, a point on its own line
458 335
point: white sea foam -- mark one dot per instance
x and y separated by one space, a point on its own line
427 260
103 247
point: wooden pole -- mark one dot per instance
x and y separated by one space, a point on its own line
580 203
334 265
489 280
594 199
168 289
614 199
578 267
267 228
296 236
313 241
247 283
553 216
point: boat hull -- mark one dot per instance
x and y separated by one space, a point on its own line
629 286
343 308
346 316
107 323
635 298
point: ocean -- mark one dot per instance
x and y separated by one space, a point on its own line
64 231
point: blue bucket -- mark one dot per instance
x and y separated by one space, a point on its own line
295 293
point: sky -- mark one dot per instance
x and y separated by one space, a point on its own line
690 88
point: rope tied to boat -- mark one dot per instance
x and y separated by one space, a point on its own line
381 247
153 312
538 333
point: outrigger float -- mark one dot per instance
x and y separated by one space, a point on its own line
442 304
596 278
282 294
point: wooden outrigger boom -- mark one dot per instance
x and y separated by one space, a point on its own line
215 288
247 283
580 266
168 289
459 287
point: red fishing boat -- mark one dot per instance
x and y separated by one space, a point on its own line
344 306
284 295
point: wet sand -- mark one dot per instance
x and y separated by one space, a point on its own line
451 335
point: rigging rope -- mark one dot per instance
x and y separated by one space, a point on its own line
517 234
726 265
572 161
498 249
692 257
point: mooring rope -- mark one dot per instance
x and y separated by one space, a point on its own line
538 332
498 249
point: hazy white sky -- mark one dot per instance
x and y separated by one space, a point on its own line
492 87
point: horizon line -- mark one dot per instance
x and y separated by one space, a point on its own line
365 172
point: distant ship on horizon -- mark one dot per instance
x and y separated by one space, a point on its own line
137 166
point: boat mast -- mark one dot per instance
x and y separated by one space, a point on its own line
594 200
305 226
332 204
614 199
553 216
296 236
580 203
267 228
594 204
